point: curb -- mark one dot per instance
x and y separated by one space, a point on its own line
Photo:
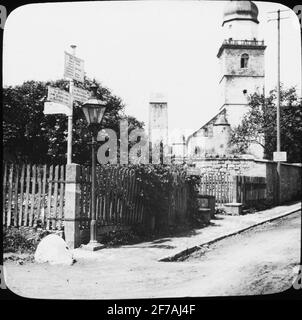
184 253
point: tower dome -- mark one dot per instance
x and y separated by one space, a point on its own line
240 10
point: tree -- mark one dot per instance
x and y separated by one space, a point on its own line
29 135
259 125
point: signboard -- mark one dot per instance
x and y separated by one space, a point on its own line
59 96
79 94
193 171
73 67
280 156
54 108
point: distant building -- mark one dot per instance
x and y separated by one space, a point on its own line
158 123
179 147
212 138
241 58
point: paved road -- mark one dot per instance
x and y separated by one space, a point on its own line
258 261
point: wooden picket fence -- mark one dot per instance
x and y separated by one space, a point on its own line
250 190
119 200
117 196
226 188
33 195
178 199
218 185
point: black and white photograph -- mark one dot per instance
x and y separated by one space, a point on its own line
151 150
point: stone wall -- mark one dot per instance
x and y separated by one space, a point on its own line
231 166
290 182
290 174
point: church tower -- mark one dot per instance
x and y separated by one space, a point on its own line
241 58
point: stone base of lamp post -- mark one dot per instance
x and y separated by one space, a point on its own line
93 246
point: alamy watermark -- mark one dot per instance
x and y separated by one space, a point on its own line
133 147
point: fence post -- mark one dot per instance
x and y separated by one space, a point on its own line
72 206
235 189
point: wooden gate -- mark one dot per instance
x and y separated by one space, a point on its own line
218 185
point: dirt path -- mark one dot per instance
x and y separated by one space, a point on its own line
258 261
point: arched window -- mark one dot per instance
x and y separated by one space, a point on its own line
244 60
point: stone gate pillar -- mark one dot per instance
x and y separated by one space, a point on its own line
72 206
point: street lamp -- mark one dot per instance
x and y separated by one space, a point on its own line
94 110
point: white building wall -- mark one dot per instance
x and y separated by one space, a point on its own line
240 30
158 123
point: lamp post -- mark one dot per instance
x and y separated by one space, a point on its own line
94 110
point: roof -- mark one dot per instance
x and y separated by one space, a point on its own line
221 120
240 10
207 123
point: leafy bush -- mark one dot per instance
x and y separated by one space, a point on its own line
22 240
158 182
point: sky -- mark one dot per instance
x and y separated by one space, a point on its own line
136 48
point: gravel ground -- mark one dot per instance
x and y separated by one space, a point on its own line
258 261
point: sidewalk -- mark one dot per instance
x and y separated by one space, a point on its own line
167 249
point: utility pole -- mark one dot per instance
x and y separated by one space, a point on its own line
278 112
278 104
70 117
